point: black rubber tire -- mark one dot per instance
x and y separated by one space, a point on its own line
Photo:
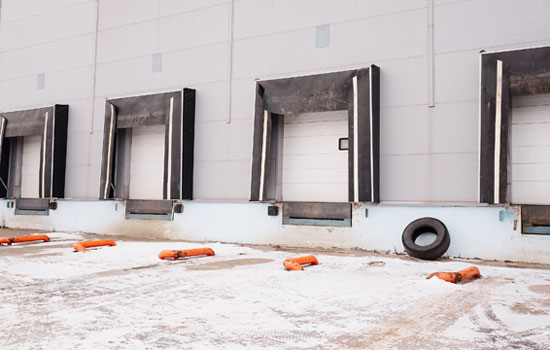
429 252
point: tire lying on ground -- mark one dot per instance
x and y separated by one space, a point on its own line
426 225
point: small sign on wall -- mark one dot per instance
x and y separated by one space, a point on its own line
343 144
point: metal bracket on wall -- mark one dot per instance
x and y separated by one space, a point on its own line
273 210
178 208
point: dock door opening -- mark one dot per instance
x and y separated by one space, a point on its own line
314 167
147 162
30 167
530 150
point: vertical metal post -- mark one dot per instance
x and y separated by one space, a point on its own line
355 141
498 124
230 58
169 177
264 155
44 145
431 54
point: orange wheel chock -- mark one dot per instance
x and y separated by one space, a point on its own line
18 239
81 246
177 254
295 264
455 277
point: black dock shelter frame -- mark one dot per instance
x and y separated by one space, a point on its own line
503 75
357 91
175 110
51 124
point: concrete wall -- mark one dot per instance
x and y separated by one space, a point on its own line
427 154
476 232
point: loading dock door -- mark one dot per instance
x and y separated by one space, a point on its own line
530 151
30 167
314 169
147 162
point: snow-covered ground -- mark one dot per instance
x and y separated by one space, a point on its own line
124 297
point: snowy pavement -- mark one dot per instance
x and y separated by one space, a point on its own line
124 297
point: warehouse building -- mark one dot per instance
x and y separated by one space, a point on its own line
302 123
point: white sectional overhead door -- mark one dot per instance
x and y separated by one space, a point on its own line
30 167
530 151
314 169
147 162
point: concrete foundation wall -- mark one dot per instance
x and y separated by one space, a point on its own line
476 232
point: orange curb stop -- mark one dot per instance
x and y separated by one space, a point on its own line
81 246
455 277
177 254
295 264
18 239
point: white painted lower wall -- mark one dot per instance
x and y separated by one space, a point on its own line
476 232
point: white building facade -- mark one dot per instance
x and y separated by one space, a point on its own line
211 119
